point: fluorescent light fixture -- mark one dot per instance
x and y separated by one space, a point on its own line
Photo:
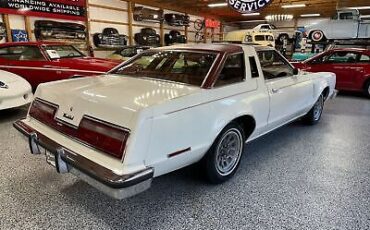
310 15
358 8
365 16
251 14
221 4
293 6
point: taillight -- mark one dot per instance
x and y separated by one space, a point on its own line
43 111
103 136
100 135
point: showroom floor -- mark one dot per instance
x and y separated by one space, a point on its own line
298 177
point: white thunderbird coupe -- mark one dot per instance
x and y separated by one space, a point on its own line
14 91
168 108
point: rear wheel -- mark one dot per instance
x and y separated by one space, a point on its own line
223 158
314 116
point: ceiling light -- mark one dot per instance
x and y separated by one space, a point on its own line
365 16
293 6
279 17
251 14
310 15
358 8
221 4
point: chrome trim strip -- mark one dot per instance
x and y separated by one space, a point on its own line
50 69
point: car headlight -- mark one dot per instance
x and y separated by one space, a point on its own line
248 38
144 38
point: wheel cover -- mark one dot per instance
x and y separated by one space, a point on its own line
317 109
317 36
228 152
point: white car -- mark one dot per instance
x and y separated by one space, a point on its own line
168 108
14 91
280 34
346 24
251 36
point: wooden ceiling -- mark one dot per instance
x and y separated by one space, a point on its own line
326 8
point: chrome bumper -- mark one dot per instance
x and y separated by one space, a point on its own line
103 179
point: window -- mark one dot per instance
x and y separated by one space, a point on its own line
62 51
254 69
233 70
364 58
21 53
341 57
265 27
346 16
177 66
274 65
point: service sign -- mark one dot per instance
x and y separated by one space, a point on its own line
247 6
63 9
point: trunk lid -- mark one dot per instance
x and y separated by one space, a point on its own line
112 98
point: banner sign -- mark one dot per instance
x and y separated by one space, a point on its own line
248 6
212 23
63 9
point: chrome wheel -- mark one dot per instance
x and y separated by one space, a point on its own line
317 109
229 151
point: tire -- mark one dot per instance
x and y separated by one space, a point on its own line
228 146
317 36
367 89
282 37
314 115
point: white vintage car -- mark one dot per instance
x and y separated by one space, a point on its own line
168 108
279 34
346 24
14 91
263 38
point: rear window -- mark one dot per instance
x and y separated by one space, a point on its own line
177 66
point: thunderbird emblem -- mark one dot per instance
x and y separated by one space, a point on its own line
68 116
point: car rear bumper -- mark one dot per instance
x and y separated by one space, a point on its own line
103 179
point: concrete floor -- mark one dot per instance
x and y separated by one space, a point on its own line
298 177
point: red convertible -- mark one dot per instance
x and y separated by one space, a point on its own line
352 67
40 62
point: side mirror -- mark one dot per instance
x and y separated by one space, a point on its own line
295 71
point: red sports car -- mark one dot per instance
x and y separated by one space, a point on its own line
40 62
352 67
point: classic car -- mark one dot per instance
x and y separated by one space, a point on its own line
14 91
352 67
168 108
173 37
40 62
147 14
2 31
147 37
177 19
110 38
279 34
251 36
128 52
346 24
46 29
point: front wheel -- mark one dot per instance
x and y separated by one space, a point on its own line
317 36
367 89
314 116
223 158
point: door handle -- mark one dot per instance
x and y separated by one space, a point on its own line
275 90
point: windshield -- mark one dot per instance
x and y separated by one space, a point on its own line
178 66
62 51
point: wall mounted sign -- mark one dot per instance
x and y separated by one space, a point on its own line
19 36
212 23
63 9
247 6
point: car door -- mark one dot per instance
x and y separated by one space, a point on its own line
29 62
290 94
344 28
